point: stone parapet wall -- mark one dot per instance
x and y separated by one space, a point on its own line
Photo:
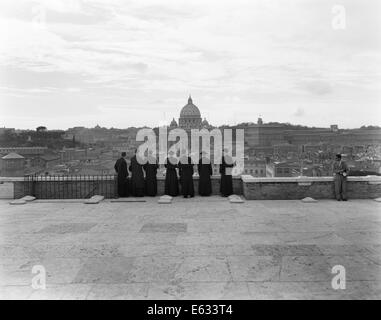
80 187
251 188
368 187
237 185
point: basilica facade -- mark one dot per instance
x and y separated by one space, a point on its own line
190 118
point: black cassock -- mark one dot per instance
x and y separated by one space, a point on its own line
186 176
204 171
151 171
171 181
121 169
226 184
137 178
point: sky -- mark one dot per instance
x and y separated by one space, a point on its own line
66 63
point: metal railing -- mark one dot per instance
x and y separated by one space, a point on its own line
70 186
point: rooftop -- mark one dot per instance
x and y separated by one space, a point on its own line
197 248
13 155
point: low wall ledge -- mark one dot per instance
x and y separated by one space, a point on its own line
245 179
11 179
308 180
89 177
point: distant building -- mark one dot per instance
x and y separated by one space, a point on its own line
284 148
309 136
4 130
256 168
205 124
24 151
262 135
173 124
260 151
96 169
68 154
48 161
12 165
190 116
282 169
313 148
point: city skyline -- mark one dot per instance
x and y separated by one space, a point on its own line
123 64
99 124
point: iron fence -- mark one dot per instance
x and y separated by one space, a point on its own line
70 186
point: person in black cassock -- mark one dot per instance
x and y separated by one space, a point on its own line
186 175
137 176
205 171
226 185
121 169
171 180
150 169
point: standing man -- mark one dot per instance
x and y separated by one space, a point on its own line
226 167
186 175
171 181
150 169
121 169
137 176
205 171
340 171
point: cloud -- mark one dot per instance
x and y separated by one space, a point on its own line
242 55
299 112
317 87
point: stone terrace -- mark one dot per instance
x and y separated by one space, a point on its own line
201 248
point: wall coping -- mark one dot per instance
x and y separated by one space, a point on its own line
245 179
251 179
88 177
197 177
11 179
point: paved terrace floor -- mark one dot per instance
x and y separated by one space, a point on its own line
201 248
